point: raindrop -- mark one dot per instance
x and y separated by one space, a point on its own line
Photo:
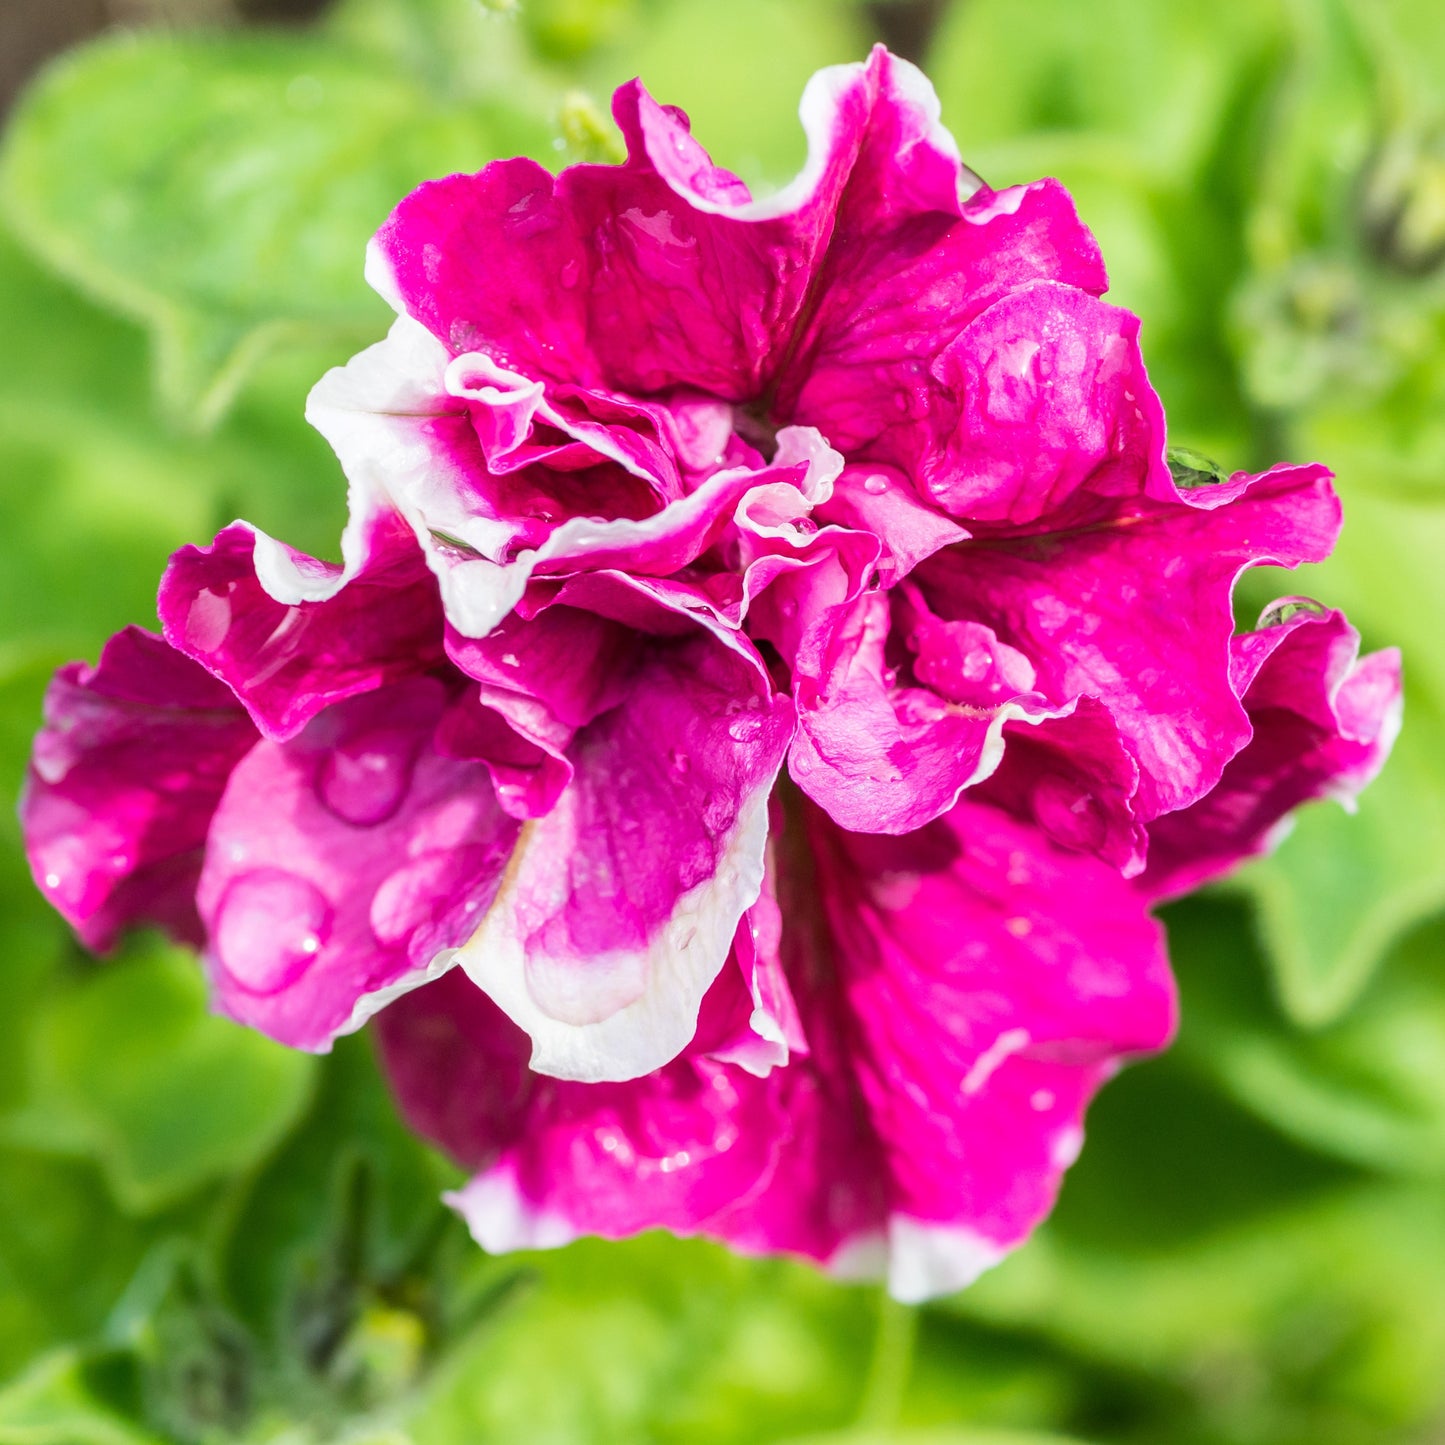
269 928
745 729
364 781
717 812
875 485
1288 608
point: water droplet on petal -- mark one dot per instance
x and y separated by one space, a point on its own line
269 928
424 890
208 620
364 780
875 485
745 729
1288 608
717 813
679 761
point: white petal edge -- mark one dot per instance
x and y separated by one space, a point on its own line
679 964
927 1259
501 1220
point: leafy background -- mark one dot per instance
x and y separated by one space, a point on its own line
206 1238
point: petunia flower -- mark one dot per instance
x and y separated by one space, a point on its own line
775 664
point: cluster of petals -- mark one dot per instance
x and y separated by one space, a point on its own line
772 672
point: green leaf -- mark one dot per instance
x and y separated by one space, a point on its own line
65 1253
131 1067
947 1436
221 190
704 56
1157 76
51 1405
1344 888
1368 1088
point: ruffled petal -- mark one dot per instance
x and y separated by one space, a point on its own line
344 867
124 779
621 903
1136 612
1322 719
884 755
992 981
966 990
900 288
558 1159
286 661
658 273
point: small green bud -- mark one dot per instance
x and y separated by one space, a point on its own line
587 133
1402 203
1192 469
1280 612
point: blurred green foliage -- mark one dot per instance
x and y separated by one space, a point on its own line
206 1238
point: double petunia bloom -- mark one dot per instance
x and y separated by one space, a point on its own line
774 667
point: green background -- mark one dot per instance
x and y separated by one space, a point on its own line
204 1237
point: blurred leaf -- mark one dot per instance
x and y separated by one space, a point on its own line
131 1066
1369 1088
221 190
1344 888
65 1254
933 1437
50 1405
738 70
1155 75
665 1340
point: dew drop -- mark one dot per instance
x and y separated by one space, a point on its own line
208 620
745 729
424 890
875 485
269 928
364 781
717 813
1288 608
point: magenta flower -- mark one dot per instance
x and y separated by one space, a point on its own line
772 671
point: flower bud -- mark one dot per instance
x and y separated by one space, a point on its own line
1402 203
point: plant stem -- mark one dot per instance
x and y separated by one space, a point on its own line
892 1363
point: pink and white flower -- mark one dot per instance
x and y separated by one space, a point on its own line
772 670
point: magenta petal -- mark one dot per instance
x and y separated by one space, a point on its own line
124 779
900 286
1137 613
885 755
878 499
559 1159
993 981
749 1016
622 902
1322 722
1053 399
287 662
344 866
1075 777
